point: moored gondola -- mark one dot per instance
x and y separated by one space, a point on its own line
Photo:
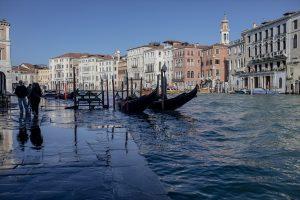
137 105
176 102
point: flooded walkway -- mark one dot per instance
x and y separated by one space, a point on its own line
59 156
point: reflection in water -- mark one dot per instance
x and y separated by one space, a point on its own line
36 137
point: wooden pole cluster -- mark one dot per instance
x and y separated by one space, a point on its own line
107 99
102 93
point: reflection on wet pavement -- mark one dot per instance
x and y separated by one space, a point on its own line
60 156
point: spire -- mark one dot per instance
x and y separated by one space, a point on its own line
224 30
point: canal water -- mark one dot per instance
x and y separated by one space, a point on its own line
225 146
217 146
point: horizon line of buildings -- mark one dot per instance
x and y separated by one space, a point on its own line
266 56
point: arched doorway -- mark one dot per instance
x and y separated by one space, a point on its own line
2 83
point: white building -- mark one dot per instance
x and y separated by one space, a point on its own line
272 55
5 63
135 62
62 71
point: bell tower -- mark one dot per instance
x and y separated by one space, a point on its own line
5 63
224 30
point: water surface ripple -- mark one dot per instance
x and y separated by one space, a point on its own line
225 146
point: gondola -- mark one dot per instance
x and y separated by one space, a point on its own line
176 102
137 105
63 96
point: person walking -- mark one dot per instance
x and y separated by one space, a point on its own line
35 98
21 92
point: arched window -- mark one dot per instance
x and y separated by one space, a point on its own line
295 41
280 82
192 74
188 74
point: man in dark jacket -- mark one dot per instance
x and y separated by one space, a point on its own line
21 92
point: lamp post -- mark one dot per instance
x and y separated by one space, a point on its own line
163 85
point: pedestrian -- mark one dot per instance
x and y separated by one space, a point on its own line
21 92
35 98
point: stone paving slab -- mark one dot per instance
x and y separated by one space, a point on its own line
100 162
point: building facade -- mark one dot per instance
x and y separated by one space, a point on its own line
187 65
214 66
44 78
271 55
61 68
237 63
122 70
5 62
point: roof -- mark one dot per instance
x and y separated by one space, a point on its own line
71 55
267 23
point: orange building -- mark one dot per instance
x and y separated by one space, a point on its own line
214 66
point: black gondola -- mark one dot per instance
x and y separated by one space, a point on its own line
137 105
176 102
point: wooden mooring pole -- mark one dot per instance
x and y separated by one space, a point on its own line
141 86
131 86
113 91
107 98
102 93
122 87
127 87
74 88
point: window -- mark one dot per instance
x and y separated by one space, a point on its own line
255 37
280 82
266 46
210 62
217 72
260 36
0 54
267 33
271 47
284 44
255 51
192 74
192 53
278 30
249 52
249 39
295 24
188 74
278 45
217 61
272 32
260 49
217 51
284 28
295 41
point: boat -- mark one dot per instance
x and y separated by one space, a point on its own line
262 91
137 105
242 91
176 102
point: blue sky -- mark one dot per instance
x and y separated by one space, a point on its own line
41 29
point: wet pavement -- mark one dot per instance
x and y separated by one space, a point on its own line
60 156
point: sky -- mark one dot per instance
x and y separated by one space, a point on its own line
41 29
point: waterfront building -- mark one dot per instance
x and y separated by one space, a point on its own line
187 65
89 72
135 62
214 67
237 63
26 72
44 77
5 62
108 68
62 71
271 52
122 70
